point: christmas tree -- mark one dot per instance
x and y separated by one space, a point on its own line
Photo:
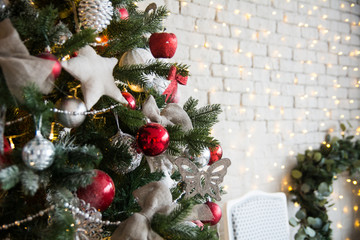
93 143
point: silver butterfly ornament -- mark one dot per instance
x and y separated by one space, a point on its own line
212 177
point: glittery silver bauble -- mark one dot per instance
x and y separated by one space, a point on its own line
74 108
202 159
123 138
38 153
95 14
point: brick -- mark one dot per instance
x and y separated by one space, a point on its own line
326 103
315 68
310 33
280 52
291 66
230 18
254 48
262 24
239 114
288 29
254 100
304 55
305 102
198 68
316 91
286 5
219 70
190 38
267 88
269 12
243 7
340 27
282 101
354 39
338 92
241 32
198 11
221 43
238 59
331 14
282 77
266 63
265 113
327 58
182 52
292 90
199 54
172 6
181 22
210 27
354 93
349 61
335 70
225 98
346 82
283 126
206 83
260 75
238 85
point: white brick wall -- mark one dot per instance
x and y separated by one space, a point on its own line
285 72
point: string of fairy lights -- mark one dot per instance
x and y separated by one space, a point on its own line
334 41
336 52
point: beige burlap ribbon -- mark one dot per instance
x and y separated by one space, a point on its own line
154 197
172 114
19 67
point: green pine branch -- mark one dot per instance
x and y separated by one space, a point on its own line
135 26
173 226
136 74
204 117
77 41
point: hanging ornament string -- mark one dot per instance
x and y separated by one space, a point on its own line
93 112
2 127
52 208
175 79
28 219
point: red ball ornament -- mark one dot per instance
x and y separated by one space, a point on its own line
215 154
57 66
131 100
123 13
163 45
100 193
152 139
216 212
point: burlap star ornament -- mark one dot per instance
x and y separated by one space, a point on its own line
95 74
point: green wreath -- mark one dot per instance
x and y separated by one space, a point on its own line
313 177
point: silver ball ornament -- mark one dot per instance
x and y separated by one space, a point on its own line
38 153
126 139
202 159
74 108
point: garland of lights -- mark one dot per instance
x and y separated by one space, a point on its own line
313 177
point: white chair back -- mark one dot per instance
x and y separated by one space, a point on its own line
257 216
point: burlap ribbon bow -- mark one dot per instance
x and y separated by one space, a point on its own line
19 67
154 197
172 114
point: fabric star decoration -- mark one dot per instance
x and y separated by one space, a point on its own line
95 74
19 67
